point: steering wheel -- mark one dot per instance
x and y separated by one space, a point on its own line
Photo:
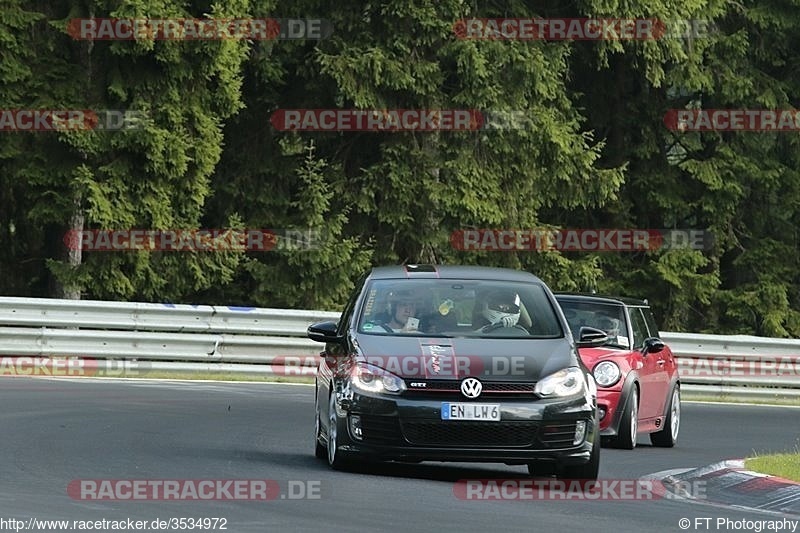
498 325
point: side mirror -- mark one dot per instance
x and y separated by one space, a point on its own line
323 332
591 337
652 345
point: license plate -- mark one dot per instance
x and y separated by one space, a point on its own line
471 411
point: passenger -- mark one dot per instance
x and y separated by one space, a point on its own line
500 308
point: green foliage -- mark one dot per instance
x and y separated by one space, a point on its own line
156 177
593 152
741 187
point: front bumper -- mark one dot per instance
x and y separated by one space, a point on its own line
403 428
609 407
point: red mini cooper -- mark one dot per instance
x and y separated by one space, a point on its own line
638 390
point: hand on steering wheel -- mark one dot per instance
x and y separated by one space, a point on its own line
502 324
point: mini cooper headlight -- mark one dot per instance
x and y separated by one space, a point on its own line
606 373
567 382
370 378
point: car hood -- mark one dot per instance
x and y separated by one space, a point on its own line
592 356
496 359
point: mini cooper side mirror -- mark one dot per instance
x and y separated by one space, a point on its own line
652 345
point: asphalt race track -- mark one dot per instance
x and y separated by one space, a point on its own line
54 431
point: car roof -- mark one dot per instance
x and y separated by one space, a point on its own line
600 298
451 272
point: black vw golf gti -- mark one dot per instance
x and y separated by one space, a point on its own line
455 363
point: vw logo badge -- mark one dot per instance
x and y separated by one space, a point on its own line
471 388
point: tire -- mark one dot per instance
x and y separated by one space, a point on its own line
668 436
587 471
336 458
320 451
629 425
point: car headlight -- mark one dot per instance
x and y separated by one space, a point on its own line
567 382
370 378
606 373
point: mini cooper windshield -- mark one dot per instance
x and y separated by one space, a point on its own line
458 308
606 317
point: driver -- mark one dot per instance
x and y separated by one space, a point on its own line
501 309
403 306
610 326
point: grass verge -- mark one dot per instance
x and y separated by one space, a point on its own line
734 399
785 465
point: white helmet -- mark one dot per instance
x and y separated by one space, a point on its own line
502 306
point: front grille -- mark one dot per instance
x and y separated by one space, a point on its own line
507 389
484 434
389 430
558 435
380 429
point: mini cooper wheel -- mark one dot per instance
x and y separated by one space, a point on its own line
629 425
668 436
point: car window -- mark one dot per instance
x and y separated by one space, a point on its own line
458 308
347 313
650 319
608 317
639 327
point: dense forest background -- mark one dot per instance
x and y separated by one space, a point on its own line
597 153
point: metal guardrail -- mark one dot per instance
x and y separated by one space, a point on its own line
737 365
101 315
122 337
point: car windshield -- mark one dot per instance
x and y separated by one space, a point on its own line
458 308
605 316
